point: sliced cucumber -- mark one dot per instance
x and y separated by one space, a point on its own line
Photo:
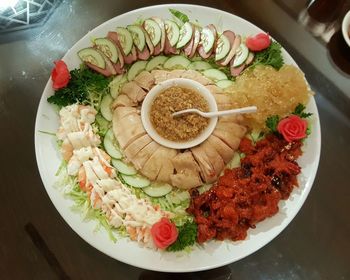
177 62
138 36
185 35
106 110
199 65
116 84
123 167
176 197
207 39
155 62
153 31
158 189
241 55
224 83
204 188
111 146
136 181
222 47
136 69
92 56
102 123
172 31
215 75
235 161
108 48
125 39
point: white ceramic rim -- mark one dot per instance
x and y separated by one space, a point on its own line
346 28
215 254
185 83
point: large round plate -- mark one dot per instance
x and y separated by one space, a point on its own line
212 254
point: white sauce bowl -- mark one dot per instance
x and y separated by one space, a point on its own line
345 28
184 83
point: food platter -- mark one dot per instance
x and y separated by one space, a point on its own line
212 254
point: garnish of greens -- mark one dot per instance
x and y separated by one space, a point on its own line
181 16
299 111
271 56
85 87
187 237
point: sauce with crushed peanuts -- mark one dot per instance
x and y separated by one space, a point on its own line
179 128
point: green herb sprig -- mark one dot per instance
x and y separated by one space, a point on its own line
187 237
271 56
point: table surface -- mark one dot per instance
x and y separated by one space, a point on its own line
36 243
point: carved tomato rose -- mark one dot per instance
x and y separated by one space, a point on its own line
292 128
60 75
258 42
164 233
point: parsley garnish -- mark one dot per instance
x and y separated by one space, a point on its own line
299 111
271 56
181 16
187 237
272 122
85 86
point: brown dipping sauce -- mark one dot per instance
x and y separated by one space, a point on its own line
181 128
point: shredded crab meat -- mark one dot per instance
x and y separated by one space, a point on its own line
96 176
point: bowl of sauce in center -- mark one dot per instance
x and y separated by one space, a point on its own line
184 131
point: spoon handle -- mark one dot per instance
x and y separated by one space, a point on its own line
250 109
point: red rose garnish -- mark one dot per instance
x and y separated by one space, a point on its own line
292 128
164 233
60 75
258 42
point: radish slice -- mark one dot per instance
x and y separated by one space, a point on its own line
258 42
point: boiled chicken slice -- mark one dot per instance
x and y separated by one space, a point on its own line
234 128
123 100
136 146
175 74
128 128
196 76
214 157
154 164
142 156
223 101
187 171
222 148
145 80
232 118
227 137
120 112
207 170
133 91
159 75
215 89
167 167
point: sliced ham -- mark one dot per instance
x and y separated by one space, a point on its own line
105 72
235 71
145 80
123 100
235 41
161 24
222 148
188 48
196 76
131 57
187 171
148 41
144 154
128 128
133 91
201 51
118 68
144 54
169 49
136 146
197 38
115 39
157 50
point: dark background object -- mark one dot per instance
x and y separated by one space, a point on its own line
36 243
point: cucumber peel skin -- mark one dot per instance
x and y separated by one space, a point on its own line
92 56
136 69
177 62
111 146
106 110
138 36
185 35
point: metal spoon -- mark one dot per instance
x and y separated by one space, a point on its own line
244 110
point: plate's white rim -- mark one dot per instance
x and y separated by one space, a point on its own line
50 190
